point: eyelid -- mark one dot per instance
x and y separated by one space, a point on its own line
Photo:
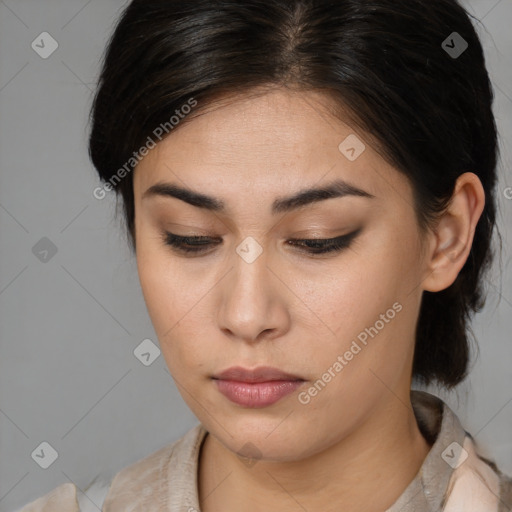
198 245
199 237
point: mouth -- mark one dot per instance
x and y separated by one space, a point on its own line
261 374
256 388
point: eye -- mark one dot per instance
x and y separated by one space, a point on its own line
325 245
188 244
201 244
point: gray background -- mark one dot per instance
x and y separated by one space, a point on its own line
69 325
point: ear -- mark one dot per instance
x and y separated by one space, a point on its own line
451 240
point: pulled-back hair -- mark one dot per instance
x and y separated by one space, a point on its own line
396 70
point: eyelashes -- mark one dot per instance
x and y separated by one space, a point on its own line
197 245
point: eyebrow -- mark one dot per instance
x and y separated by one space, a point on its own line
335 189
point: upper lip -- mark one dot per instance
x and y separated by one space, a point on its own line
261 374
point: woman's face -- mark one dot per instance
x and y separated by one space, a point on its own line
343 322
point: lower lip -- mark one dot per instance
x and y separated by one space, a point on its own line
257 394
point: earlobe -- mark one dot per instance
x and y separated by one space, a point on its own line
454 233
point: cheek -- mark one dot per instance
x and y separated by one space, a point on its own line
363 308
161 287
351 292
154 280
172 298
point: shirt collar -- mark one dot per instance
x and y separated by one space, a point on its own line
440 426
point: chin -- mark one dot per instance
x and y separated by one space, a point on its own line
264 439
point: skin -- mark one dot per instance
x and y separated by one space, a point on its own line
356 443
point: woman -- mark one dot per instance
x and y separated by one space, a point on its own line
308 188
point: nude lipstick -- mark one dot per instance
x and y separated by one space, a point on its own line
256 388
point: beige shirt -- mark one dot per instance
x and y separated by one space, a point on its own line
452 478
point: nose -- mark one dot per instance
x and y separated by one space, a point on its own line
252 300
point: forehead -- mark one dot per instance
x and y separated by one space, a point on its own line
278 119
261 145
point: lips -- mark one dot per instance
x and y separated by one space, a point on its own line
256 388
261 374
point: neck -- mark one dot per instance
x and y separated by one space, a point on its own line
366 470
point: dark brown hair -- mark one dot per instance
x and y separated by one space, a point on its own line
391 67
